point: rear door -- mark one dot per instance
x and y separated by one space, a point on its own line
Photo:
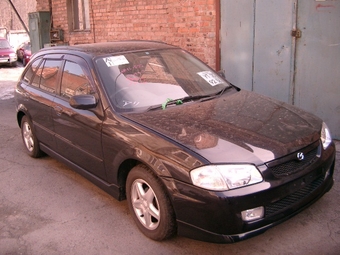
40 84
78 132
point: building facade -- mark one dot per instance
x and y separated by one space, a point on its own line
190 24
8 17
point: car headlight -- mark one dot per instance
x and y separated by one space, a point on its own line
325 136
13 55
225 177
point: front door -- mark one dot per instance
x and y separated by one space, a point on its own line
78 132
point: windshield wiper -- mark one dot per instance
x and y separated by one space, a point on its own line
168 101
223 90
179 101
183 100
205 97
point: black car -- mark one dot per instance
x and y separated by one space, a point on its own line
191 153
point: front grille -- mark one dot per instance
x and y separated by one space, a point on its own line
292 199
293 166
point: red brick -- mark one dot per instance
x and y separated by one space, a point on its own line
190 24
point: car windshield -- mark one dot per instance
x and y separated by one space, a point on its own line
139 81
27 47
4 44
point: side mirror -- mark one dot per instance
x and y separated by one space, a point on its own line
221 73
83 102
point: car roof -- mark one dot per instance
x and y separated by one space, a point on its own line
96 49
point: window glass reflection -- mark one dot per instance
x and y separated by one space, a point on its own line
30 73
49 75
74 81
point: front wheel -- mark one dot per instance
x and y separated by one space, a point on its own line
149 204
30 141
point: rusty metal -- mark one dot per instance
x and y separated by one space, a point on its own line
296 33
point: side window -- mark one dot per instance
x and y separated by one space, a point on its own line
31 71
74 81
49 75
37 77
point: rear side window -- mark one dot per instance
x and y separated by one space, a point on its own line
74 81
28 77
37 77
49 75
43 74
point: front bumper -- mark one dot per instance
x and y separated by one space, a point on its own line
216 216
7 60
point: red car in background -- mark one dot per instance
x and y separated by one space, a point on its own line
7 54
24 52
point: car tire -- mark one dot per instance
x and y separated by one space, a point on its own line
30 140
149 204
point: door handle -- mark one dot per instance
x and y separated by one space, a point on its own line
58 110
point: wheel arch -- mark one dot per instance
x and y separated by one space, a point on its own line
124 169
21 112
165 220
20 115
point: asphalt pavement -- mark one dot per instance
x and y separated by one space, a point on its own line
46 208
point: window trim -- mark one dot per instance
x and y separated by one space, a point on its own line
86 69
78 20
42 60
57 85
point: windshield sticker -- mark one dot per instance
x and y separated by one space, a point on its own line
116 61
211 78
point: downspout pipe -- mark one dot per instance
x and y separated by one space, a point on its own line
218 37
15 10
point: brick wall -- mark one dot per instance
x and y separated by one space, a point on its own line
8 17
190 24
43 5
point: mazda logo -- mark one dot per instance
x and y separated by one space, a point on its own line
300 156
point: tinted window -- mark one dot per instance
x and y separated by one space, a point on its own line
31 70
49 75
38 74
27 47
138 80
74 81
46 74
4 44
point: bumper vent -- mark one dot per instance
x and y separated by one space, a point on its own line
292 199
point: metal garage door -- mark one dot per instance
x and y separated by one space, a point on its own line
289 50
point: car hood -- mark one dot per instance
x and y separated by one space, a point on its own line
6 51
243 127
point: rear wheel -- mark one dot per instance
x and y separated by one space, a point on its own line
149 204
30 140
